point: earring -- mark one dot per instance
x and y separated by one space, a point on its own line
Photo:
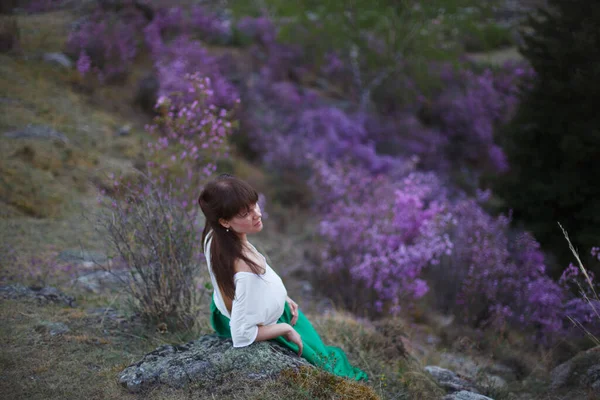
227 229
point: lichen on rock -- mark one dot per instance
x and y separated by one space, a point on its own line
207 360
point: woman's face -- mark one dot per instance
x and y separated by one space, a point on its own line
246 222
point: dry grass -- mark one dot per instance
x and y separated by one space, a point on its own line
38 177
85 362
379 350
38 366
44 32
312 383
47 187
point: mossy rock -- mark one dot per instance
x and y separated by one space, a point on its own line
206 361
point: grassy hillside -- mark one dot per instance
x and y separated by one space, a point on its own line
48 191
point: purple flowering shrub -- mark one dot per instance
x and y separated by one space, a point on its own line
393 240
167 23
260 30
288 126
379 234
470 108
470 113
208 25
196 20
184 56
107 43
583 307
492 277
495 277
39 6
277 61
192 137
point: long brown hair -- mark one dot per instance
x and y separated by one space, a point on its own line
225 197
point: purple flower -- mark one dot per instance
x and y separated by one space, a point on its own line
84 63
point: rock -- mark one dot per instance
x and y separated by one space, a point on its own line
113 320
43 295
88 258
53 328
432 340
591 378
36 132
581 372
492 381
58 59
306 287
460 363
125 130
207 360
502 370
98 281
560 375
449 380
466 395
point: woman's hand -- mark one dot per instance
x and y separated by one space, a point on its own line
294 337
294 309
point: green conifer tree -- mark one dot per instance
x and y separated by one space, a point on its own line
553 143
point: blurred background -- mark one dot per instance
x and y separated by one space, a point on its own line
427 173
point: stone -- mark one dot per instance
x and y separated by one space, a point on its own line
560 375
492 381
42 295
502 370
449 380
52 328
466 395
85 257
592 378
114 321
206 360
98 281
36 132
59 59
580 372
432 340
462 364
125 130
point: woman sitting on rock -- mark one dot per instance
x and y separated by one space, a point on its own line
250 302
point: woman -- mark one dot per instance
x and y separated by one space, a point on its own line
250 302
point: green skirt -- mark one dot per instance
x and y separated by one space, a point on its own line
331 358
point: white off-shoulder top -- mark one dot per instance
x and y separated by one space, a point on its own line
259 300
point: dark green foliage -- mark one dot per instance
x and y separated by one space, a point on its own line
553 143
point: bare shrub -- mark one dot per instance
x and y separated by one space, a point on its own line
156 240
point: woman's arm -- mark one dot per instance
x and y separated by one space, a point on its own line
272 331
285 330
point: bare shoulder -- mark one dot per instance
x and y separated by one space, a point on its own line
241 266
